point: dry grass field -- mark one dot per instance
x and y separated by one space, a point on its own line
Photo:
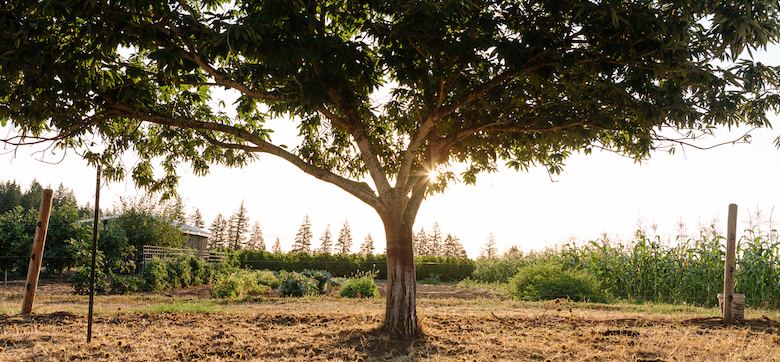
459 326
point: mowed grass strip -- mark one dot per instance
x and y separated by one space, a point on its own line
333 329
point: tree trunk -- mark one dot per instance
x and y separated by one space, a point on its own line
401 310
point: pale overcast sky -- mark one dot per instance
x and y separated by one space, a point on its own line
596 194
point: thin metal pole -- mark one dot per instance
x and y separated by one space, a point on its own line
94 254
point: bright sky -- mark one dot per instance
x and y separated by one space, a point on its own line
596 194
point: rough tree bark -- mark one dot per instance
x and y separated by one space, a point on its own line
400 310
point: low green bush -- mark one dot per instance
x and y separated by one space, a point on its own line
268 278
294 284
240 283
155 275
447 268
80 281
551 281
361 287
322 277
431 280
179 272
126 285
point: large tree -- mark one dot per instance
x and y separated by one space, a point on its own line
302 242
237 227
389 91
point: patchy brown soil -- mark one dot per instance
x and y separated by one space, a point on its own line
458 325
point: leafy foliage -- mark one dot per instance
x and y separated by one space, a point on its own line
361 287
552 281
294 284
345 265
156 275
142 229
240 283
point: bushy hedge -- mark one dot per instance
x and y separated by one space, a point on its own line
552 281
345 265
158 275
445 268
243 283
361 287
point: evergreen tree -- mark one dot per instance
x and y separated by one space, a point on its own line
344 242
490 250
277 248
218 231
326 240
10 196
196 219
63 197
453 247
367 248
238 225
32 198
513 252
174 210
304 237
256 240
88 211
435 241
420 243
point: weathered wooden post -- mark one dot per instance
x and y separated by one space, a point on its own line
34 270
730 264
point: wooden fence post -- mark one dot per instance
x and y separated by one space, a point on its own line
730 264
33 271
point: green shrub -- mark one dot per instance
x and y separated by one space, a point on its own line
227 288
80 281
180 272
362 287
431 280
447 268
125 285
216 271
294 284
322 277
267 277
198 271
551 281
155 275
239 284
497 270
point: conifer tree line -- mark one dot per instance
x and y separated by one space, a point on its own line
232 233
433 243
236 231
11 197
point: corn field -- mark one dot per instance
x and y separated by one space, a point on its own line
683 271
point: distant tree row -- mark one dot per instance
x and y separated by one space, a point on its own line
139 221
434 244
11 196
231 232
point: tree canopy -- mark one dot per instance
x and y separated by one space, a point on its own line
382 93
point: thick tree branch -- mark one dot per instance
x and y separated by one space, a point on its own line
422 132
356 127
192 54
360 190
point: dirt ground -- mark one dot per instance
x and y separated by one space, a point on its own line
458 325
